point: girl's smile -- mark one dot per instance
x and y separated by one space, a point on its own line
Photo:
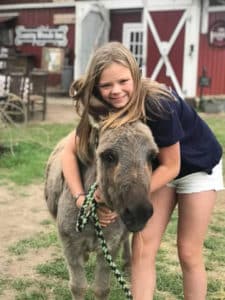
116 85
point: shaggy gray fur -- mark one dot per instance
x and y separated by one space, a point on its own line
122 168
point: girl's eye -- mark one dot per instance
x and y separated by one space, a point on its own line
123 81
104 86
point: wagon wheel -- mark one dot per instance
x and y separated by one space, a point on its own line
13 110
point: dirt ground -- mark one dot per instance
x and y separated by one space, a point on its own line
23 210
60 110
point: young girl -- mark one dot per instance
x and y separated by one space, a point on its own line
188 173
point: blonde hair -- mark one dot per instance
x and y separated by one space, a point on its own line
88 101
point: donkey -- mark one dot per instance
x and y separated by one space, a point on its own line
122 168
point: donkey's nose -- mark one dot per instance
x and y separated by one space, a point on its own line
136 218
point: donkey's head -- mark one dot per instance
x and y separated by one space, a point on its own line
124 168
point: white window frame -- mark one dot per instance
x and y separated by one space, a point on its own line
136 29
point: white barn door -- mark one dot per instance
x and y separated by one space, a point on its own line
187 25
92 30
167 50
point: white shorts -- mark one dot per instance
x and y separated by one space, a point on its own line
199 182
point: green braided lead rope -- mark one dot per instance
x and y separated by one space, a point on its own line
88 210
109 259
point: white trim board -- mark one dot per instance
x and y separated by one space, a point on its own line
157 5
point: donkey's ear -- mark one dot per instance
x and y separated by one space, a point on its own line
93 122
97 108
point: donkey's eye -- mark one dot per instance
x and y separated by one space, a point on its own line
152 160
151 157
109 157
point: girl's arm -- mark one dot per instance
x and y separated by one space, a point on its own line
71 169
169 166
72 175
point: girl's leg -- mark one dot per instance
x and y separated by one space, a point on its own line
146 244
194 215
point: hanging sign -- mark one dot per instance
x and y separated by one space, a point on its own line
63 19
42 36
216 35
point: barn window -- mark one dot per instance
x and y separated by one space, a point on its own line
7 25
6 36
133 40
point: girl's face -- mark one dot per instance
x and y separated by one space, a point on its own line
116 85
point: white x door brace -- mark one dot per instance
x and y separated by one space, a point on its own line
164 48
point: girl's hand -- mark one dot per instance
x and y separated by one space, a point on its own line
80 201
105 215
98 196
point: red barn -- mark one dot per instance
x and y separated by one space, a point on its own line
174 41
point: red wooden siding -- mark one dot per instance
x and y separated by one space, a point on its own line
118 18
36 17
166 23
213 59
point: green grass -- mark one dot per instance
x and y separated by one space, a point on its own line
54 274
56 268
21 284
38 289
32 146
217 124
40 240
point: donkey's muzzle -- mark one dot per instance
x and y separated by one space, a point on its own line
136 216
